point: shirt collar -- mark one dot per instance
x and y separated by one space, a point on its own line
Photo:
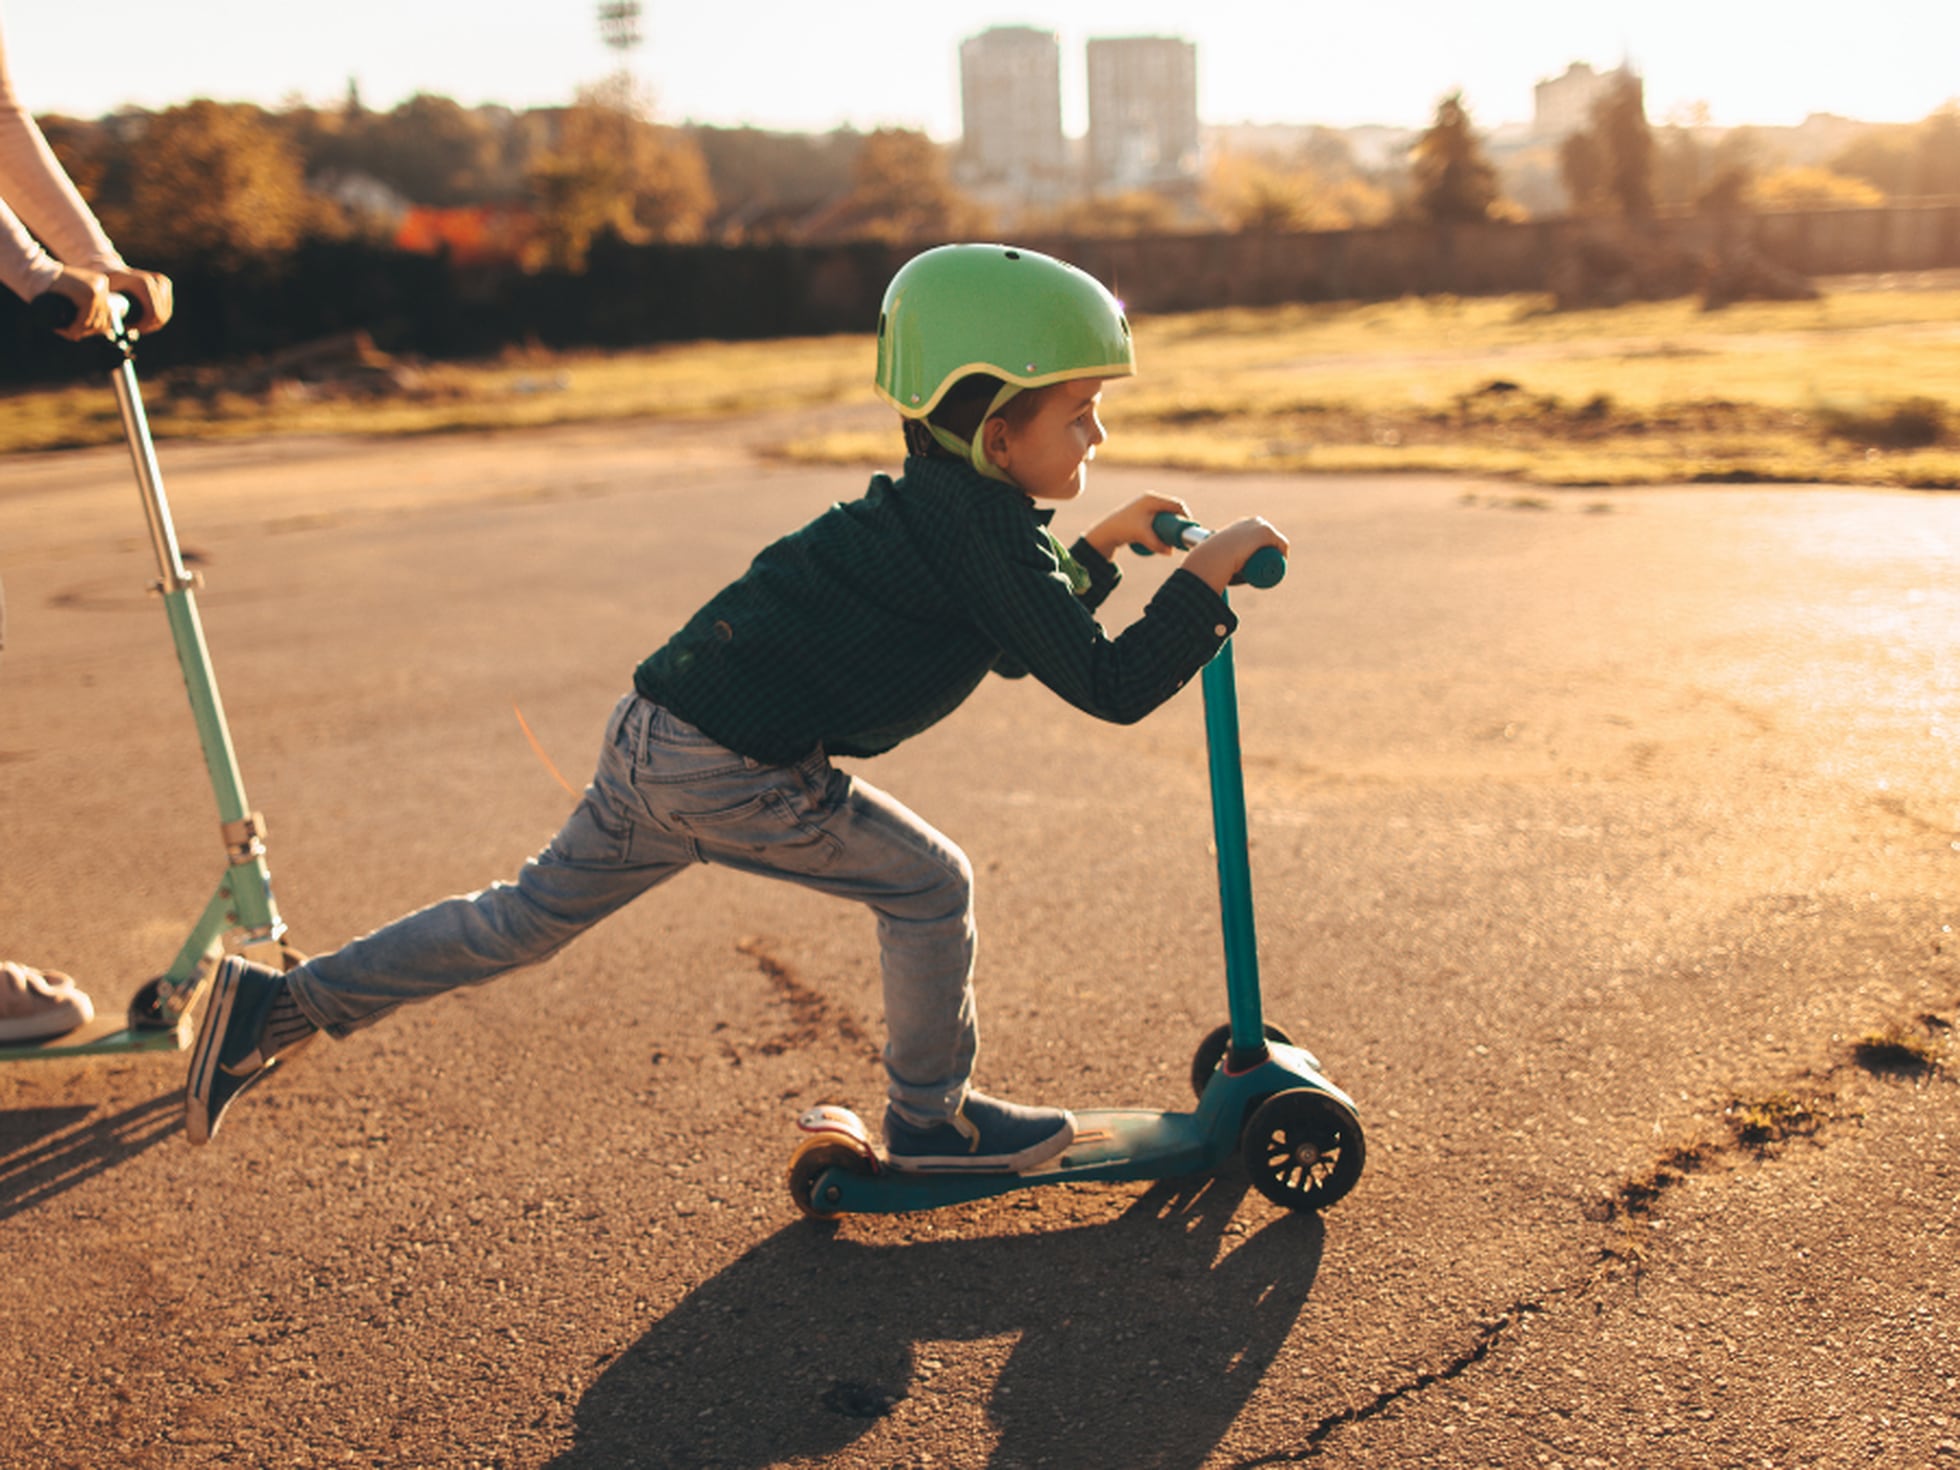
929 469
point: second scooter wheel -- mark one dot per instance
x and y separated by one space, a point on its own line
1303 1149
815 1157
1211 1051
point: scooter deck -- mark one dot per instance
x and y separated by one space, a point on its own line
1111 1145
112 1043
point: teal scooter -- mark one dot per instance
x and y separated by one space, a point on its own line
1260 1096
242 905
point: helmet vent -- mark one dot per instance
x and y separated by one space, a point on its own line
1013 255
881 326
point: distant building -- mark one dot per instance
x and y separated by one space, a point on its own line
1011 144
1563 105
1143 113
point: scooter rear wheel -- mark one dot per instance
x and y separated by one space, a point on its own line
814 1157
1212 1050
1303 1149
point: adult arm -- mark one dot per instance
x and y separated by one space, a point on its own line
78 260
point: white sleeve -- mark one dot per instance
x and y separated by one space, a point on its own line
36 194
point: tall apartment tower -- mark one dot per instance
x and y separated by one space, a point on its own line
1143 112
1563 104
1011 111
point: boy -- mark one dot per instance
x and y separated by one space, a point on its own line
866 626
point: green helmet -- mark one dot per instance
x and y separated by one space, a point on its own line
1023 317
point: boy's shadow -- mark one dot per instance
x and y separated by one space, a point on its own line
1136 1344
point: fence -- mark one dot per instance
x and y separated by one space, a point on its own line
633 295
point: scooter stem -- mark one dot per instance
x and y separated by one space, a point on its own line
1228 823
244 901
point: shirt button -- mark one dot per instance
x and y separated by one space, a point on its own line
1220 631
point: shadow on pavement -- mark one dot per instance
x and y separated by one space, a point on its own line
1133 1343
43 1153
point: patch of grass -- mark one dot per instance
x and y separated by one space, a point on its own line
1763 1122
1917 422
1895 1049
1638 1197
705 380
1850 389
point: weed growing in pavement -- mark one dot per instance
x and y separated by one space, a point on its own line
1898 1051
1763 1122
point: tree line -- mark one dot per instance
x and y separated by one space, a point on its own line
230 183
1620 166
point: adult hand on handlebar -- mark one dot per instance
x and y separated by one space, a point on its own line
88 293
150 293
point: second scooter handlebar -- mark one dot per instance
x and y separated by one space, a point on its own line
1266 567
53 312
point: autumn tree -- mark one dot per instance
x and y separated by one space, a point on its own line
1908 162
1813 188
1454 181
1608 167
612 171
902 190
211 181
428 149
766 182
1310 190
1131 213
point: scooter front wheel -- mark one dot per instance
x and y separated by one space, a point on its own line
1211 1051
1303 1149
815 1157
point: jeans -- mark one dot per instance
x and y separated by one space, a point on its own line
665 797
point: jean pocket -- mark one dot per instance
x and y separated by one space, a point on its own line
765 826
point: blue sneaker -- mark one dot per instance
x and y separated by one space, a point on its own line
228 1059
985 1136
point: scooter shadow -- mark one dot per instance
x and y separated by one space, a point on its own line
42 1153
1134 1343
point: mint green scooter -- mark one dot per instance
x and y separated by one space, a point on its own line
242 906
1259 1095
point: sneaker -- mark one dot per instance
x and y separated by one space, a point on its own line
227 1059
35 1006
984 1136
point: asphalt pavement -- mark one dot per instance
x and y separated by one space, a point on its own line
1604 847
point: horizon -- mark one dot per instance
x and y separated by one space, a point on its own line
1260 61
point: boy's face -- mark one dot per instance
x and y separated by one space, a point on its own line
1047 453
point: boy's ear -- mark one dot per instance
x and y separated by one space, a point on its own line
994 434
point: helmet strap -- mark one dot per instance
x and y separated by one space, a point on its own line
975 452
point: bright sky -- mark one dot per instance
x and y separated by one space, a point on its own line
874 63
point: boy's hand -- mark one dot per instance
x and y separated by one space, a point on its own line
1218 560
1131 526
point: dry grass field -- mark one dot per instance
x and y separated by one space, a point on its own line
1857 387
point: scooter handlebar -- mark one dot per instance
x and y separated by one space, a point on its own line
1266 567
53 312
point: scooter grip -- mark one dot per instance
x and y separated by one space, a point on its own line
52 312
1266 567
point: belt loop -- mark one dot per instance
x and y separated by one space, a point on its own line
645 712
617 718
811 768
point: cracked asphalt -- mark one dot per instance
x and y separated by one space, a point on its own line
1604 847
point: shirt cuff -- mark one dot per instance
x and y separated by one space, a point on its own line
1104 574
1189 596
